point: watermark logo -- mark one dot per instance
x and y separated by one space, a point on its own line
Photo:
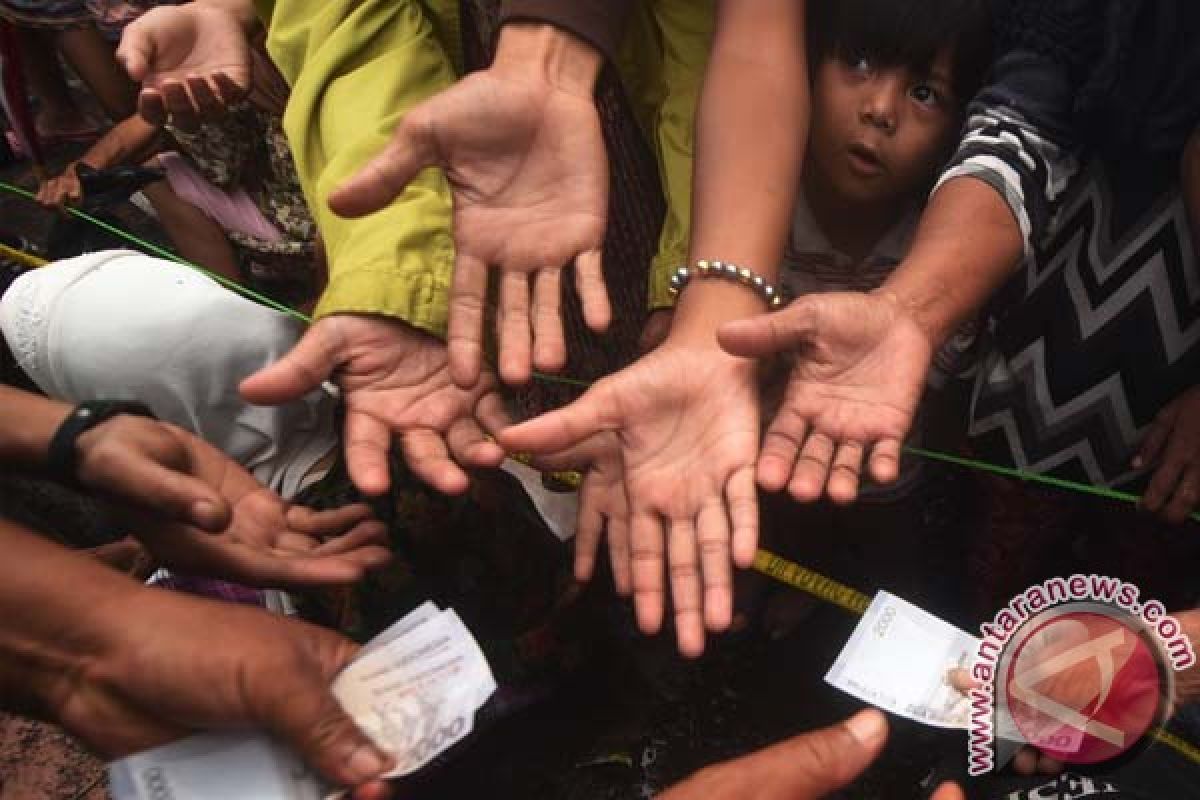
1077 667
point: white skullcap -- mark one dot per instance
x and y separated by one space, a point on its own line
120 325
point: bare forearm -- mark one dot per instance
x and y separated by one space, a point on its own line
967 245
58 609
130 142
752 125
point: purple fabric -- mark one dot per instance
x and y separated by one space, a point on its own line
213 589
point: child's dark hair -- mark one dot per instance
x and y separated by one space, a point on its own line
905 33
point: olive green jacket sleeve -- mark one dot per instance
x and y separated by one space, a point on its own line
662 65
354 68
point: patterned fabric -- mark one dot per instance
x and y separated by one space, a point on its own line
1074 76
1001 148
111 16
46 14
248 149
1097 332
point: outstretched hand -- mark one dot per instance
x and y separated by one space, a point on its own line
193 62
527 167
396 382
197 511
686 421
858 368
806 767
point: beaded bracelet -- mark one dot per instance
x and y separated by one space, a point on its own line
730 272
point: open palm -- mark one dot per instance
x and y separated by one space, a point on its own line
266 541
193 61
395 382
858 368
529 174
687 425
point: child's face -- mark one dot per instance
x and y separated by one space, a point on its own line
881 134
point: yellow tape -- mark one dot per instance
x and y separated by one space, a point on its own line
21 257
1176 743
572 479
814 583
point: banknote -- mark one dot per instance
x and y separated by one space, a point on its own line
409 622
234 764
898 659
414 689
417 696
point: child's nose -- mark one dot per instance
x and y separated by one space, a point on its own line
880 103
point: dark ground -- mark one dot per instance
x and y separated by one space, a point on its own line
588 708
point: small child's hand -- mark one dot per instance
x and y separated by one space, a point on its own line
1173 442
193 61
61 191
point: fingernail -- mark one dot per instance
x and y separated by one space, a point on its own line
868 726
366 763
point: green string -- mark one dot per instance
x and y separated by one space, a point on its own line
167 254
1031 477
979 466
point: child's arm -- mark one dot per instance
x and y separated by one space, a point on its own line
751 130
130 142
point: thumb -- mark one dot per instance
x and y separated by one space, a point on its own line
135 52
565 428
381 181
299 707
948 791
768 334
327 738
166 492
305 367
812 765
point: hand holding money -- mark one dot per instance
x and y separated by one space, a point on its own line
412 692
898 659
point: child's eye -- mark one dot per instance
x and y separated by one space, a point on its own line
925 94
861 64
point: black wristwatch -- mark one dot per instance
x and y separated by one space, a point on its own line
63 456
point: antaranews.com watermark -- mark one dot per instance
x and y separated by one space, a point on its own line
1080 667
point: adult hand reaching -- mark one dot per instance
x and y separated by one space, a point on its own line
267 671
806 767
521 146
169 479
193 60
686 419
395 381
125 667
858 370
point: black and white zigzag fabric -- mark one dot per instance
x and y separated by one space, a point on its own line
1099 330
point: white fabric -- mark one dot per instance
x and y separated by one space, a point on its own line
120 325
